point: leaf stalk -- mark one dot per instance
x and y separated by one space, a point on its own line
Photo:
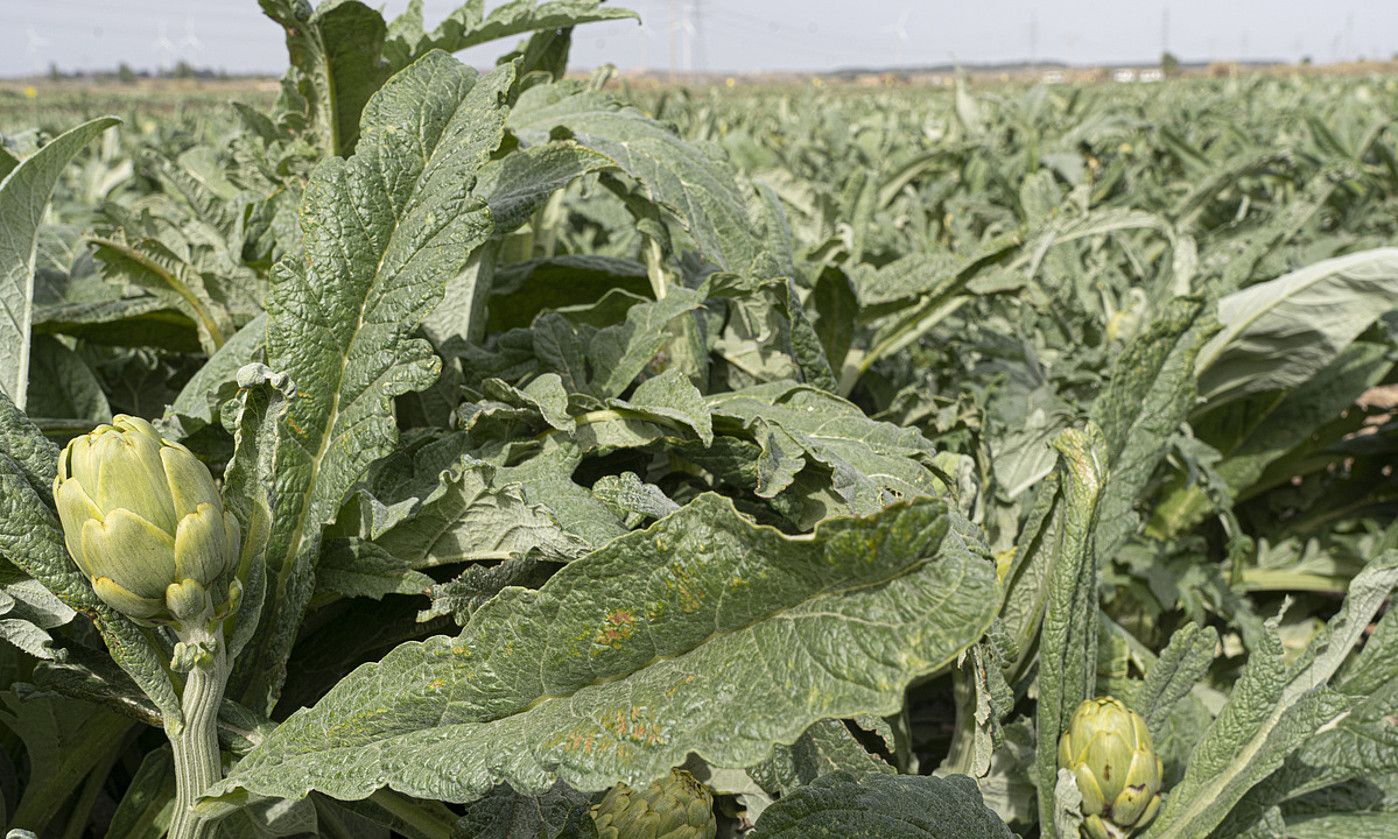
195 741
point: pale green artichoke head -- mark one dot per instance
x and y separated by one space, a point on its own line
1108 749
145 523
677 807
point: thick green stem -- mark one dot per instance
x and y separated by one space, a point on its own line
195 744
430 820
961 756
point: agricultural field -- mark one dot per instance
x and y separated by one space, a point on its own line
429 452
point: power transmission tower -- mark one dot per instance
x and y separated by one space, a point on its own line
1164 30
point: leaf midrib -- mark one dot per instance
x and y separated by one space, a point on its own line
782 613
131 252
294 544
1226 337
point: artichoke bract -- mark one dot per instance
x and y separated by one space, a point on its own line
146 525
1108 749
677 807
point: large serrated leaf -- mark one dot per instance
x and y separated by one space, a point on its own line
1278 334
1260 435
34 455
1337 774
705 633
27 612
887 806
517 184
24 194
1182 664
871 463
559 813
469 25
334 54
1149 393
1273 710
692 180
1068 639
150 264
603 362
467 518
342 52
383 231
826 747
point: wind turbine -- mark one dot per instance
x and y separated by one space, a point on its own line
900 31
163 43
687 33
696 18
190 41
682 31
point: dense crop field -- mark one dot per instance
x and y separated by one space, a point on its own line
540 457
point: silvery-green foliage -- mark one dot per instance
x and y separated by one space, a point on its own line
897 807
24 195
628 649
340 319
831 446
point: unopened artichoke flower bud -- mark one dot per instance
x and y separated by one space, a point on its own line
1108 749
677 807
145 523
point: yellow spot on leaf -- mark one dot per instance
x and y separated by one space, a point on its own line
616 628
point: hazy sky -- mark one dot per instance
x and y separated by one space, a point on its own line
745 35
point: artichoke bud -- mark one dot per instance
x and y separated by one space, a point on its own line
145 523
191 656
677 807
1108 749
1094 828
235 599
186 599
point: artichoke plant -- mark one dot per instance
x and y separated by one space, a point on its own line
1108 749
145 523
677 807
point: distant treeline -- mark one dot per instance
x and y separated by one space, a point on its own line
125 74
